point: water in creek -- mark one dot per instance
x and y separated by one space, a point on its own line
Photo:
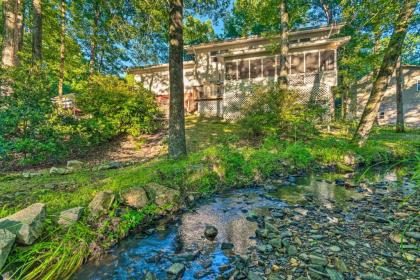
183 241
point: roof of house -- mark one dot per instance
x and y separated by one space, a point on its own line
249 39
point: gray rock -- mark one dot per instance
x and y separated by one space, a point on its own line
385 270
59 171
7 239
26 224
276 243
150 276
31 174
412 234
318 259
74 164
351 242
340 265
210 232
334 249
254 276
101 203
316 274
265 248
136 198
161 195
291 250
334 275
176 270
370 276
70 216
271 228
262 232
285 234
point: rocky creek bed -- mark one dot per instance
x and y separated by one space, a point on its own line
295 228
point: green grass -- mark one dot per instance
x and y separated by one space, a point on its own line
219 157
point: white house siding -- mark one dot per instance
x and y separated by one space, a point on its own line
218 96
387 114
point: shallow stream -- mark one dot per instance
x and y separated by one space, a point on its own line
232 214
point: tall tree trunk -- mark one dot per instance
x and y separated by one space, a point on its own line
284 43
62 49
94 41
344 102
21 25
37 31
10 43
327 11
392 53
177 145
398 93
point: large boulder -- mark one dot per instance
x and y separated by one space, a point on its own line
74 164
101 203
161 195
26 224
7 239
136 198
70 216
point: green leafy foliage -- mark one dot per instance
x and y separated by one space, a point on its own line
113 106
35 130
272 110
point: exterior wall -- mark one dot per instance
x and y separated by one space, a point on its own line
388 111
205 79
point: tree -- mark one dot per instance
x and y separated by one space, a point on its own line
10 30
284 43
94 40
62 48
399 99
392 53
37 31
177 145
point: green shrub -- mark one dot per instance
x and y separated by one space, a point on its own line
34 130
26 133
298 155
273 110
113 106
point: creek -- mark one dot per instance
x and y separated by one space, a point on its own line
239 216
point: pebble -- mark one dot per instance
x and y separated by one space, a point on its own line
334 249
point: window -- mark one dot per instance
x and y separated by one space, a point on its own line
304 40
198 91
256 68
244 69
381 115
269 70
327 60
312 62
231 71
297 65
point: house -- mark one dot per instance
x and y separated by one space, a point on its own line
221 74
387 115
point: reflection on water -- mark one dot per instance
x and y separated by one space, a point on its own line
181 242
324 192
